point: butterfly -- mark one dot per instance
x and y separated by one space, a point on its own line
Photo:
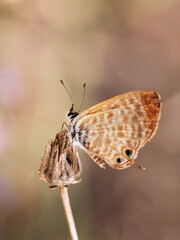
111 132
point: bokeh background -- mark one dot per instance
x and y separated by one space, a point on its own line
115 46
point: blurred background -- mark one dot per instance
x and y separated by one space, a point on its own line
115 46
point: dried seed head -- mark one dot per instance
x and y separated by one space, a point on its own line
60 165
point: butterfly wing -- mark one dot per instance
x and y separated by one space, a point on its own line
114 130
122 100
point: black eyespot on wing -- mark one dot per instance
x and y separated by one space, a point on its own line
118 160
128 152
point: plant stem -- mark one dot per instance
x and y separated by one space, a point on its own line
68 212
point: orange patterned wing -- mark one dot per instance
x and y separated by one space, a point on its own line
114 130
122 100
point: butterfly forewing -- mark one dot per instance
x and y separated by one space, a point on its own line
114 130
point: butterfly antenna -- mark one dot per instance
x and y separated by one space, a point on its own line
61 81
84 91
138 166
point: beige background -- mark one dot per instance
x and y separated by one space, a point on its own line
115 46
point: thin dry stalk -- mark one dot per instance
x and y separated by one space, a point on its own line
60 167
68 212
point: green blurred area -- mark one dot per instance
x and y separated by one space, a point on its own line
115 46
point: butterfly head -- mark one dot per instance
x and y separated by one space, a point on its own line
72 114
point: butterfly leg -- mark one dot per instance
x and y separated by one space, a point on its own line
64 124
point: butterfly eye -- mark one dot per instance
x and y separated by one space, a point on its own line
128 152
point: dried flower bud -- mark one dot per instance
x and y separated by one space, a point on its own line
60 165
